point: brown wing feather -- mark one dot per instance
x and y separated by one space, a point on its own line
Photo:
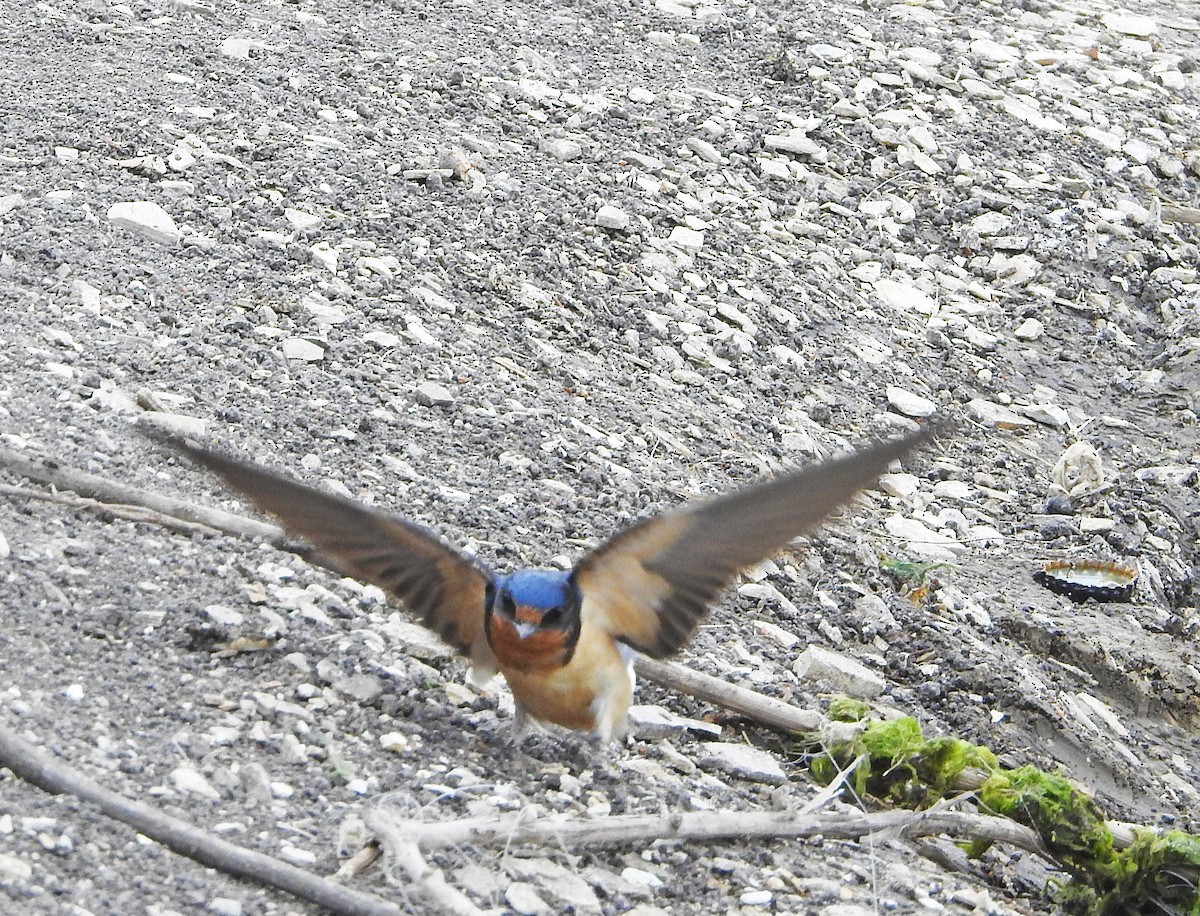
653 582
442 587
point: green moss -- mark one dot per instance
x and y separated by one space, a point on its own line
903 766
909 571
1068 821
1158 874
848 709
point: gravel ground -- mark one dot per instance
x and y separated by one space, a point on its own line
525 272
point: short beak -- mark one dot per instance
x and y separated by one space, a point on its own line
524 629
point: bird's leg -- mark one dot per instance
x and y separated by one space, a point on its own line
523 725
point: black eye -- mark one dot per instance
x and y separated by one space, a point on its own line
552 617
509 605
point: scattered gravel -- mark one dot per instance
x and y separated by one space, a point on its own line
526 273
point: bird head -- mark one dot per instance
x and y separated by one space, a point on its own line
533 617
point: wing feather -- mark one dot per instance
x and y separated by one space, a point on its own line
444 588
653 582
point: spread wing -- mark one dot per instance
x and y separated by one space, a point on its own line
653 582
445 589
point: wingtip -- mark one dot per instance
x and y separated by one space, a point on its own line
161 436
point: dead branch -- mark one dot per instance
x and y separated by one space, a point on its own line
112 491
1190 215
118 510
424 882
741 700
638 830
50 775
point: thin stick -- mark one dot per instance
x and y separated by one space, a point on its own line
1172 214
48 774
741 700
404 852
637 830
131 513
111 491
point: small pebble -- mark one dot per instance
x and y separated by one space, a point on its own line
431 394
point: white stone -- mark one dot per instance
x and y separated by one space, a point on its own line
610 217
561 148
1029 329
177 424
396 742
431 394
908 403
1023 111
685 238
296 856
705 150
830 53
744 762
673 8
797 143
430 299
324 313
997 415
325 255
922 540
756 898
382 339
191 781
301 220
1129 24
302 349
1047 415
225 616
776 633
640 877
655 722
147 219
225 906
383 267
993 52
903 486
13 869
905 297
839 672
952 489
242 48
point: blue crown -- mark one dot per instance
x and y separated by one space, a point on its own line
540 588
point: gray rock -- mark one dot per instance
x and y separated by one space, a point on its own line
655 722
524 899
744 762
366 688
147 219
838 672
431 394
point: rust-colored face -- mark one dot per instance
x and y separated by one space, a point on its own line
523 643
527 636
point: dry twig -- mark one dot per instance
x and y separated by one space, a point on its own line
741 700
112 491
638 830
428 884
48 774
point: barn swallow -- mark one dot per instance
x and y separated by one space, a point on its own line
565 640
